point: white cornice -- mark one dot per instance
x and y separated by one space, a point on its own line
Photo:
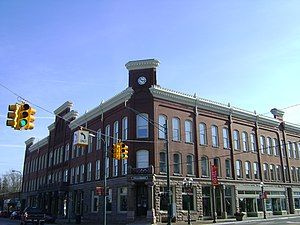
70 115
51 127
142 64
292 127
29 141
64 106
102 108
39 144
181 98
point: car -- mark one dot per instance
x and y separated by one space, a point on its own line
4 214
33 215
15 215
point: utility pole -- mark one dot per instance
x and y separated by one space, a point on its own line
168 175
104 182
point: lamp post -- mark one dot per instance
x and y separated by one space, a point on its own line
188 184
20 185
263 199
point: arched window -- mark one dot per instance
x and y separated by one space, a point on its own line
203 134
236 140
245 141
279 172
176 129
214 136
266 171
239 168
177 163
228 168
190 164
124 128
67 152
269 146
142 125
142 159
162 162
107 135
248 173
99 139
188 131
226 138
253 143
263 144
204 166
116 131
162 121
218 165
272 172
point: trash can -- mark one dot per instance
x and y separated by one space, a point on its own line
78 219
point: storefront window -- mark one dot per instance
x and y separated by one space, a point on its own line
123 199
206 201
269 205
283 203
276 204
297 203
187 199
164 198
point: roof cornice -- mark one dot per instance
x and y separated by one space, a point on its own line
64 106
29 141
181 98
142 64
39 144
102 108
71 114
51 126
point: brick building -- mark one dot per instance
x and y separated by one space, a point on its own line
253 154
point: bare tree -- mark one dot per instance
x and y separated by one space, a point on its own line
10 182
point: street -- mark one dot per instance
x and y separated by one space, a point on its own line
5 221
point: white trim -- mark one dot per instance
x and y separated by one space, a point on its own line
39 144
51 126
142 64
102 108
30 140
64 106
71 114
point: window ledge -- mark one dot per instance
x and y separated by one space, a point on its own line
189 143
177 174
191 175
163 173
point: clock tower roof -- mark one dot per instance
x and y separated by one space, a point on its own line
142 64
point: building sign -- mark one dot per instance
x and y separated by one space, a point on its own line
99 191
214 175
81 138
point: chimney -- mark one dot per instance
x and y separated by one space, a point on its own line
277 113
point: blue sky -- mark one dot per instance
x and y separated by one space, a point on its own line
243 52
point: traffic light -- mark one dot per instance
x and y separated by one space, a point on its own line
12 116
26 117
116 151
124 151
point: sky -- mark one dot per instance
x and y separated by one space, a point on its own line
245 53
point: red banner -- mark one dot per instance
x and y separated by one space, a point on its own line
214 175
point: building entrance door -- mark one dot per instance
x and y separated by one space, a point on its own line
141 200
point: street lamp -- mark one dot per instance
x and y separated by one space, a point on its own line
187 184
263 199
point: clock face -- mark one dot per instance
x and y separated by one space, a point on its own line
142 80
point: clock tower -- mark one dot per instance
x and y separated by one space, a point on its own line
142 73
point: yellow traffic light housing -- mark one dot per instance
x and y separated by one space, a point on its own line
116 151
12 116
26 117
124 151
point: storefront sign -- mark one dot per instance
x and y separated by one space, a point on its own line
214 175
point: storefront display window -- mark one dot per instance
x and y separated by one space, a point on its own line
206 201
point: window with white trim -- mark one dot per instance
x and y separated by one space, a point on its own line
214 136
122 199
188 131
89 172
142 159
225 138
236 140
162 121
142 125
97 170
176 129
124 128
115 167
203 134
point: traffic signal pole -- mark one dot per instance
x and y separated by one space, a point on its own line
168 175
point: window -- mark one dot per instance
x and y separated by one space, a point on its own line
275 147
124 166
203 134
124 128
253 143
188 131
187 198
76 174
50 159
95 202
122 206
73 151
214 136
239 169
296 152
245 141
90 146
279 172
67 152
163 204
204 166
116 131
225 138
286 173
294 175
176 129
262 145
248 170
97 170
298 173
82 173
65 175
115 167
283 149
107 135
72 176
142 159
162 162
89 172
236 140
190 164
99 139
218 165
228 168
272 172
177 163
142 125
269 146
109 200
61 155
162 121
266 171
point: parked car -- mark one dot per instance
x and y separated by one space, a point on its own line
33 215
15 215
4 214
